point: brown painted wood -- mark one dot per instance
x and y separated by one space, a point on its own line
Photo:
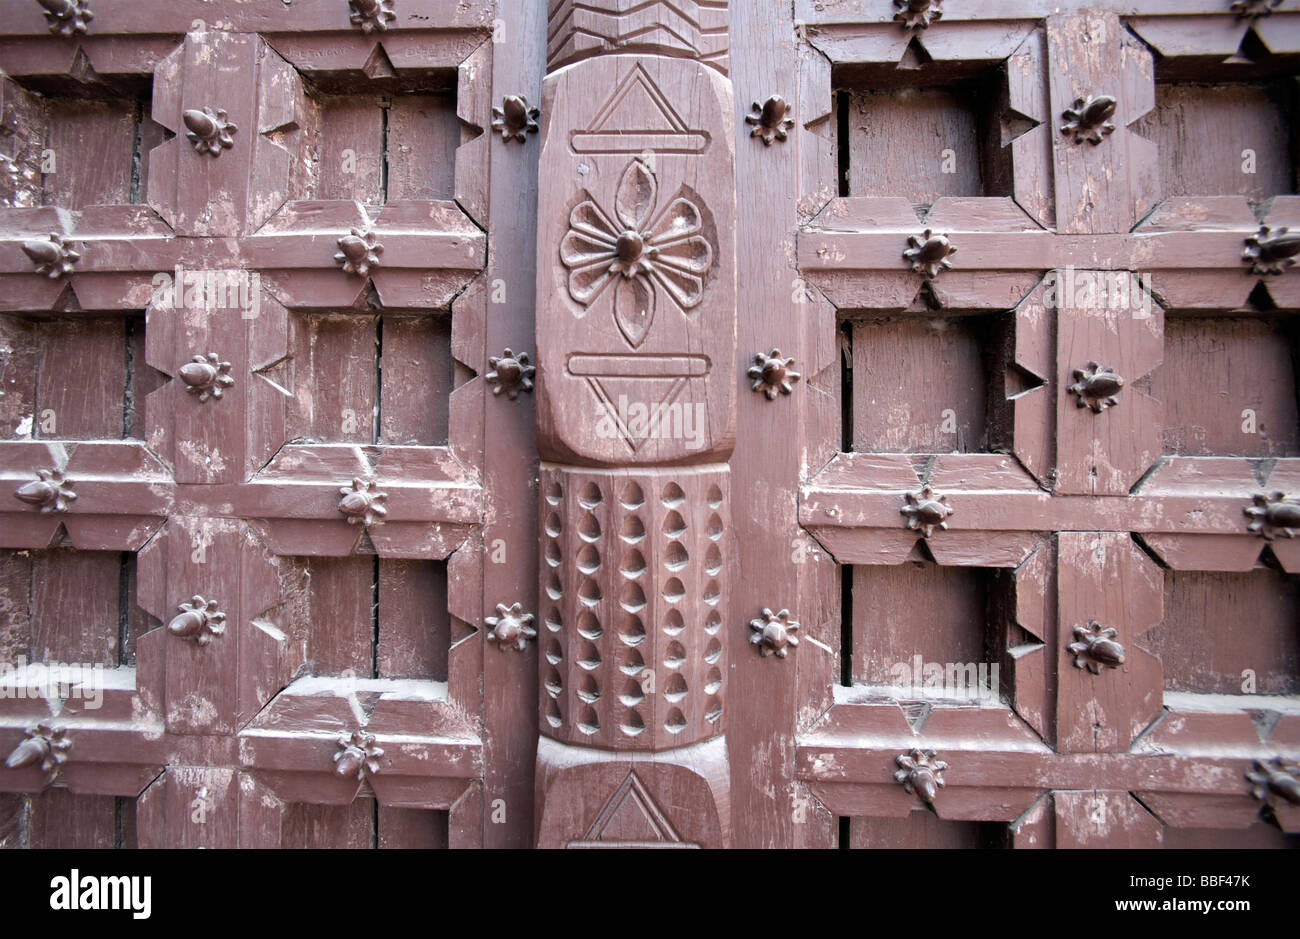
641 712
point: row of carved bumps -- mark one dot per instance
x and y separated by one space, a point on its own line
676 693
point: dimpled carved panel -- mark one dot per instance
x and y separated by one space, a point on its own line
634 567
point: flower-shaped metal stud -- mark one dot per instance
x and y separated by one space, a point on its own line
1273 516
925 511
371 15
511 626
357 755
65 17
1275 777
514 119
772 374
1089 119
51 491
208 130
510 372
917 14
774 633
1250 9
53 257
358 252
45 746
1096 387
1271 251
928 253
641 254
920 772
1095 648
771 119
199 621
363 503
206 376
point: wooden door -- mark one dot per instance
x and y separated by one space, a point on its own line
597 423
253 335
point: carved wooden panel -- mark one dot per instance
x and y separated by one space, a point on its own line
650 423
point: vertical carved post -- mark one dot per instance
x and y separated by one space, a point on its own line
636 335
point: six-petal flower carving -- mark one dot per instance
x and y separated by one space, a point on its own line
641 254
774 633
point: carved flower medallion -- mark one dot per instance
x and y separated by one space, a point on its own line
638 252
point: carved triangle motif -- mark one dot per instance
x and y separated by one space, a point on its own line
631 818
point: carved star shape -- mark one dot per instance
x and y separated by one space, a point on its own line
1097 387
511 626
1271 251
45 746
773 375
363 503
1273 516
510 372
208 130
917 14
774 633
771 119
928 253
359 251
1089 119
52 257
925 511
1095 647
357 755
514 119
371 15
199 621
51 491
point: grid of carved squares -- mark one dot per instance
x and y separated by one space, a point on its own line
365 616
354 377
367 140
969 618
925 134
631 588
57 818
